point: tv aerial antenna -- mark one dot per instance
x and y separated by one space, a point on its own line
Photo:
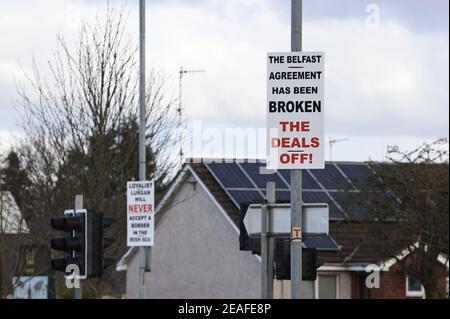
334 141
180 110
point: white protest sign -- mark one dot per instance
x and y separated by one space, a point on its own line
140 213
295 110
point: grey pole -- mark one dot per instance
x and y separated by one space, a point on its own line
296 175
78 293
144 252
264 264
267 244
270 197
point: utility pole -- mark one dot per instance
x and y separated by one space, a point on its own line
270 198
78 292
144 252
267 244
264 251
181 121
296 174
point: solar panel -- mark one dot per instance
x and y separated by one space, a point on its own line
351 209
307 181
315 197
320 243
243 183
261 180
357 173
322 197
229 175
283 196
331 178
240 197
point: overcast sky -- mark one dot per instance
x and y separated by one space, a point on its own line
385 83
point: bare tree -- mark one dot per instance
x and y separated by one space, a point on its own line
14 234
407 211
81 126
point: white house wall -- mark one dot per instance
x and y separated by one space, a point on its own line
196 253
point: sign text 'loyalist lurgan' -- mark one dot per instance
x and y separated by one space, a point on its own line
140 213
295 110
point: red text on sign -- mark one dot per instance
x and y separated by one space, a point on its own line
288 142
292 158
140 208
295 126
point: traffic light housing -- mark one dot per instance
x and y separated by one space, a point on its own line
97 243
310 262
73 242
83 243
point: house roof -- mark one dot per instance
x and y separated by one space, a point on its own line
11 219
348 234
244 181
233 182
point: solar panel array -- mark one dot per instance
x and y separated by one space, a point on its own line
245 183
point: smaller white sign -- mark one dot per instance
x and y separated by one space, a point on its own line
315 219
140 213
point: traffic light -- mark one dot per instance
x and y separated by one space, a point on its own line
282 258
83 243
73 243
97 243
310 262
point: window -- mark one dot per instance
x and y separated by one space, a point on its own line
327 287
414 288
